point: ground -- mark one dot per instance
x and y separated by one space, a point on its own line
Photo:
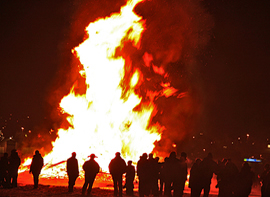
59 191
103 187
46 190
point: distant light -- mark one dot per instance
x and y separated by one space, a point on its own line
27 116
25 135
204 150
174 145
252 160
268 146
239 138
247 135
193 137
201 133
232 142
253 143
225 147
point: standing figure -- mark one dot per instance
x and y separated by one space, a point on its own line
142 173
172 171
4 179
208 168
195 179
182 173
244 181
72 171
265 181
91 168
130 175
221 174
229 178
36 166
14 163
153 171
162 175
117 168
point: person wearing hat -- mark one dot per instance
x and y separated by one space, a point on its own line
36 166
117 168
72 171
91 168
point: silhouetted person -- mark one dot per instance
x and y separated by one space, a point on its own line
265 181
117 168
182 172
172 171
229 178
130 175
72 171
195 179
91 168
153 171
4 179
208 168
160 182
143 175
221 174
162 176
36 166
244 181
14 163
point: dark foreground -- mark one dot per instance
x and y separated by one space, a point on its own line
51 190
102 187
47 190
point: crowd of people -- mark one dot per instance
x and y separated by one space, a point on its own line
230 181
156 178
9 166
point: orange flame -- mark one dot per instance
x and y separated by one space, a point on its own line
102 122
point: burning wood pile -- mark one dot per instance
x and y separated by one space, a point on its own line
123 82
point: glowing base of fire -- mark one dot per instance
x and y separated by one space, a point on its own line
103 180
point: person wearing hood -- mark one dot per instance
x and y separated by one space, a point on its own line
14 163
36 166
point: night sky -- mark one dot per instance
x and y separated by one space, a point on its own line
35 61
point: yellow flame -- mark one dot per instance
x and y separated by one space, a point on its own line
102 122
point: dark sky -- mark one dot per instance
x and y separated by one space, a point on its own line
35 39
238 72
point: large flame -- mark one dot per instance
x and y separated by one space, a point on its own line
102 120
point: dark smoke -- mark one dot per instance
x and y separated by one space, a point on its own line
176 35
